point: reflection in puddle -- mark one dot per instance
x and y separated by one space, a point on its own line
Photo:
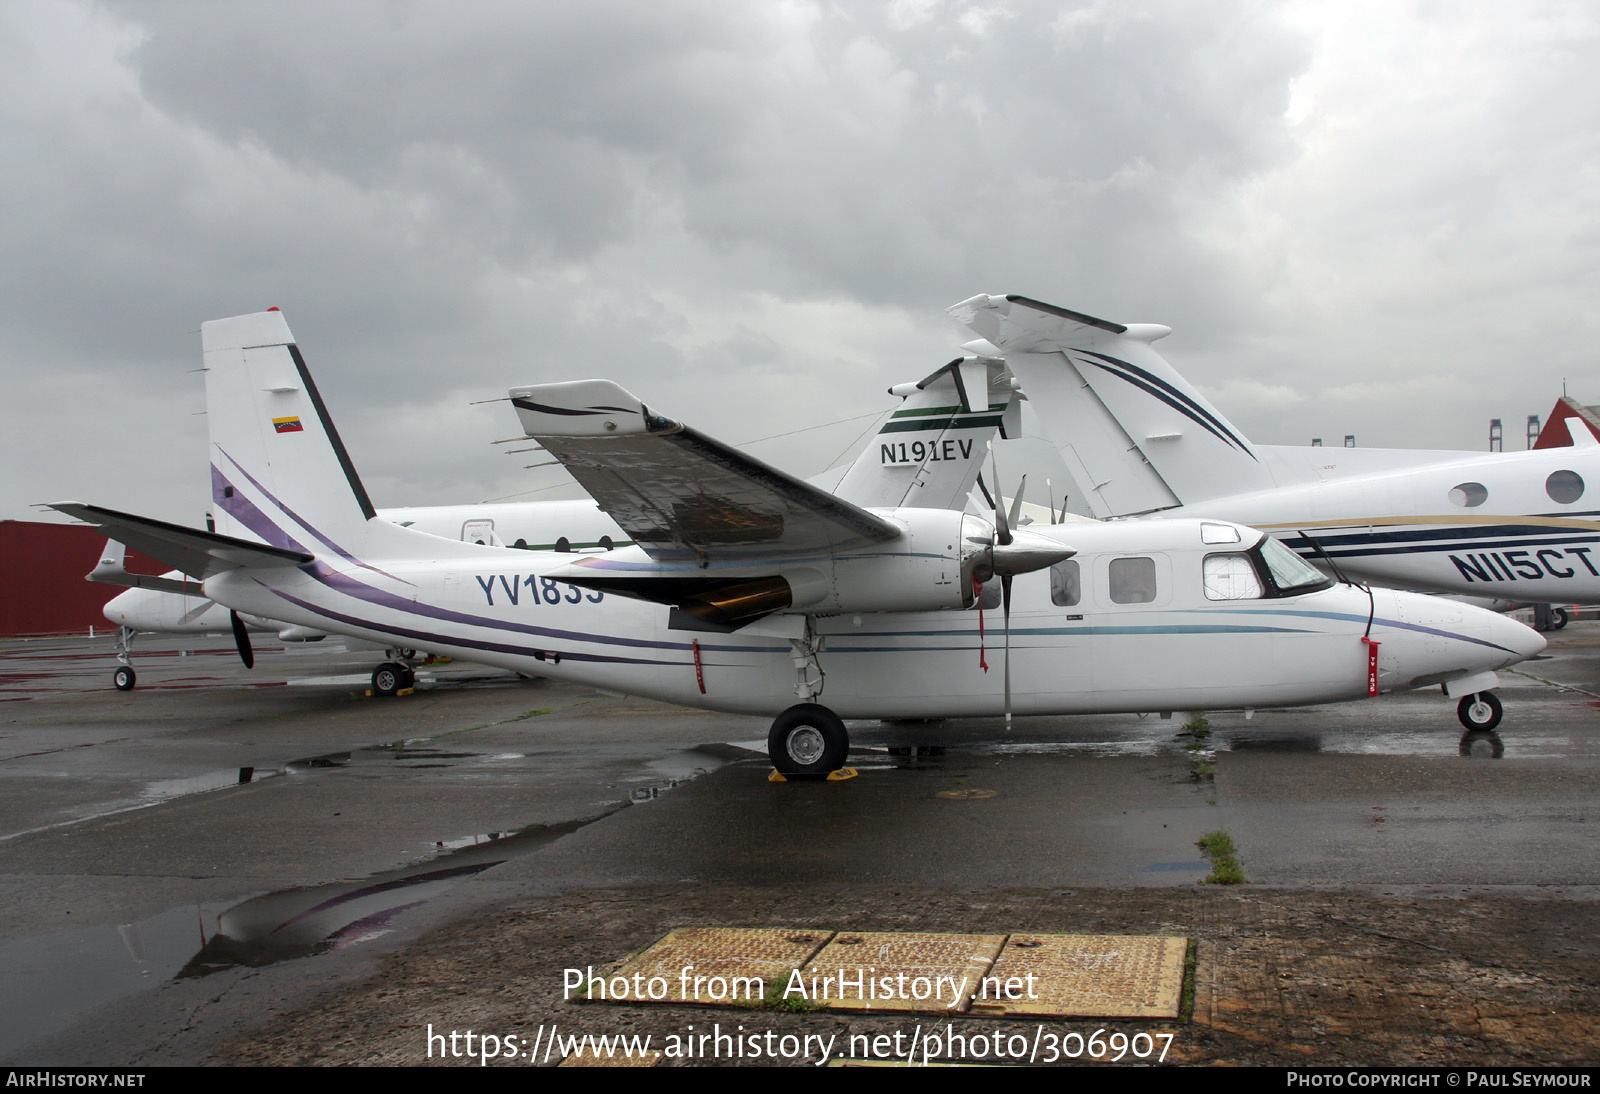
300 922
1482 742
47 981
199 784
1288 742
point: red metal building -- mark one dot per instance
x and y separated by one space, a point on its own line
42 586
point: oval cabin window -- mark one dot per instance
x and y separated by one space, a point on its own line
1565 487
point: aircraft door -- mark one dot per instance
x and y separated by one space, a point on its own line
480 531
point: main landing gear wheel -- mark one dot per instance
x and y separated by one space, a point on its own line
390 678
808 741
1558 618
123 678
1481 711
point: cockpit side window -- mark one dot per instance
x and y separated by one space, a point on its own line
1290 574
1232 577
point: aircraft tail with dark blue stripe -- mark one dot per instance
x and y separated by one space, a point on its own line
1134 434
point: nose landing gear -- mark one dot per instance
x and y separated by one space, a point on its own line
1480 711
123 677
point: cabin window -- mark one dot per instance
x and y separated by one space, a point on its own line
1565 487
1231 577
1469 495
1066 588
563 544
1133 580
521 544
607 543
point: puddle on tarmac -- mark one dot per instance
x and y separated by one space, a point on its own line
162 789
48 982
673 770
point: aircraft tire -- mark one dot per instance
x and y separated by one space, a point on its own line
123 678
388 678
1481 711
808 741
1558 618
407 655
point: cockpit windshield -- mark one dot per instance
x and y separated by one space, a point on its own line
1292 574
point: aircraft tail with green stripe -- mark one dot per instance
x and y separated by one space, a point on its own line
928 454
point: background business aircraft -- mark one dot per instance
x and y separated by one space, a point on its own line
1139 439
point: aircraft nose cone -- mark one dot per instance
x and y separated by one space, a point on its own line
1526 641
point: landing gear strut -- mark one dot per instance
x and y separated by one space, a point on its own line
808 741
123 677
1481 711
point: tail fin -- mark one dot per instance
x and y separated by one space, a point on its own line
279 471
929 452
1133 432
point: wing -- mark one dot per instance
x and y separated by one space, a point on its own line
679 494
196 553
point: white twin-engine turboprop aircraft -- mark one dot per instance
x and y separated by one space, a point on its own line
749 589
1138 439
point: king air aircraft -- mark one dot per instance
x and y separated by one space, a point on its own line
748 589
1139 439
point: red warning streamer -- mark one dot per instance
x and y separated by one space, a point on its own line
700 676
977 591
1372 664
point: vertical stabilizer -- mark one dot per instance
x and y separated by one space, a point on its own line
928 454
1136 434
279 471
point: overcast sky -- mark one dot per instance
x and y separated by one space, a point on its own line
1370 218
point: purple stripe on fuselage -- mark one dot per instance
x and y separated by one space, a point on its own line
424 638
298 519
245 511
352 587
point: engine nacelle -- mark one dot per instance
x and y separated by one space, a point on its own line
929 568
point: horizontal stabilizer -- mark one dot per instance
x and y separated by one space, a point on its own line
1133 432
196 553
678 493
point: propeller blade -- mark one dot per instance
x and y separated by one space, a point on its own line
1002 530
241 639
195 613
1005 601
1016 503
